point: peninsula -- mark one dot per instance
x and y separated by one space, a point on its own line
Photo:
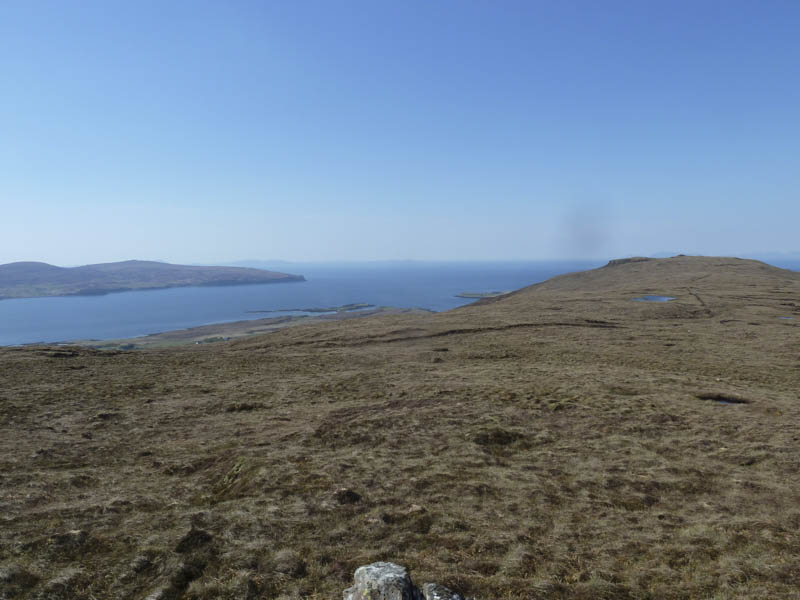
37 279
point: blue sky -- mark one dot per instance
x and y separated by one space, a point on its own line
195 131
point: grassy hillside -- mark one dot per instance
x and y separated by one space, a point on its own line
559 442
33 279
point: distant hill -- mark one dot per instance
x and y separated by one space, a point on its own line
35 279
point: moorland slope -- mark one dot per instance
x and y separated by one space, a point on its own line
35 279
560 442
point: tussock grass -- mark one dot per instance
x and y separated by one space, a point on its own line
563 461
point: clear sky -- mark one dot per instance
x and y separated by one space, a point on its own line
194 131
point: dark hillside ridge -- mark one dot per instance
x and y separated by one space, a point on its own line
629 277
36 279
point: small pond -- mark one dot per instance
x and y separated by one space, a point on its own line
653 299
722 398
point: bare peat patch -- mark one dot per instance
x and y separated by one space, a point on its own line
498 441
722 398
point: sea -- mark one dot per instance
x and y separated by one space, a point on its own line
430 285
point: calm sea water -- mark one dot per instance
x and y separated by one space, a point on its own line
425 285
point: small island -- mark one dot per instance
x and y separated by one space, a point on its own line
478 295
38 279
329 309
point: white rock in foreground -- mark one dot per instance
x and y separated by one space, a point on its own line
434 591
388 581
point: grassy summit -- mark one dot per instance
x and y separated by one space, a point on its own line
33 279
559 442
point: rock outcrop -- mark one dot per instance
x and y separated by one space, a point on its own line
434 591
623 261
388 581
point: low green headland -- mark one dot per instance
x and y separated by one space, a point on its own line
37 279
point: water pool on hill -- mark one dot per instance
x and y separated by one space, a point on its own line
653 299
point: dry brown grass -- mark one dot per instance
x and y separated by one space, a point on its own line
550 444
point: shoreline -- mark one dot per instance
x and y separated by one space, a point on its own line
482 295
223 332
